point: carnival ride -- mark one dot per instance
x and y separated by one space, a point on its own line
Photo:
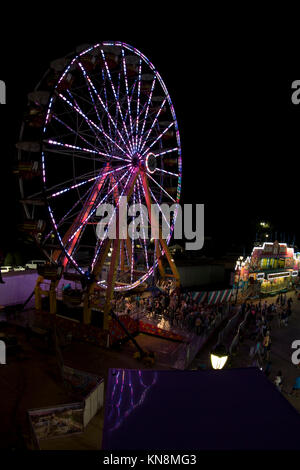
100 125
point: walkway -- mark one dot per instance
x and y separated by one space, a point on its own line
281 351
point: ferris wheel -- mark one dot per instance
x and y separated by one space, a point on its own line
102 126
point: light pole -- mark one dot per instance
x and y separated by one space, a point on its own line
239 265
218 357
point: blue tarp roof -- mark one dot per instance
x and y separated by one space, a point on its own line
204 410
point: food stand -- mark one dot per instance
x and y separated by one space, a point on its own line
272 266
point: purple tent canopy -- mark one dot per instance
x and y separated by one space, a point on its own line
197 410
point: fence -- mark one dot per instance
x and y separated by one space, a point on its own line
93 403
231 325
87 391
188 352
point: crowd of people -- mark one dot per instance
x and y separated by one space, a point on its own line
261 316
176 309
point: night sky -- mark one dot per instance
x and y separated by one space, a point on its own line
238 126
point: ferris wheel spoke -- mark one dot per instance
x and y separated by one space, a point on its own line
68 214
158 138
132 240
127 91
66 153
84 215
111 218
138 118
55 188
84 222
164 152
90 123
85 182
117 110
138 103
147 111
108 138
83 150
90 132
153 124
86 76
81 199
167 172
71 180
80 135
159 208
106 101
116 98
144 236
89 85
149 176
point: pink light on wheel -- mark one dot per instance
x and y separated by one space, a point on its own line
102 124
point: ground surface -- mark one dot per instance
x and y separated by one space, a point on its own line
280 355
281 350
32 380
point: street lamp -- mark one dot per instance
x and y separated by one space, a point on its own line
218 357
239 265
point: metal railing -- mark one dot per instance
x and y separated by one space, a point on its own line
236 338
229 327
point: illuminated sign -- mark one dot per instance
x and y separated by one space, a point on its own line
278 275
260 276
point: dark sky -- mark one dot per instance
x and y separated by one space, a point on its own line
239 129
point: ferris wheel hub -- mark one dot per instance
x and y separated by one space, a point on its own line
136 160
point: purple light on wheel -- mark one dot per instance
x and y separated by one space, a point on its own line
107 116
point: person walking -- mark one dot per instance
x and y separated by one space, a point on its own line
279 316
278 380
284 318
198 325
253 315
296 388
267 346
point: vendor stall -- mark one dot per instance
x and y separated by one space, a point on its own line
273 267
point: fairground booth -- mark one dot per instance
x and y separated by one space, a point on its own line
271 268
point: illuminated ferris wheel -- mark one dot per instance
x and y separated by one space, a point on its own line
107 130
